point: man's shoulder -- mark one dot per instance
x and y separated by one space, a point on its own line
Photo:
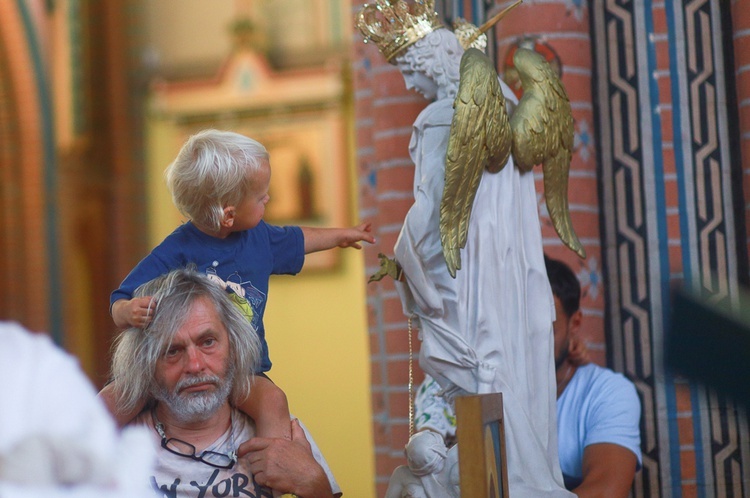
143 418
597 381
598 373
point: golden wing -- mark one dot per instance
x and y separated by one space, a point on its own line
480 137
543 133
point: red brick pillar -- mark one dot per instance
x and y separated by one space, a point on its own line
741 36
384 113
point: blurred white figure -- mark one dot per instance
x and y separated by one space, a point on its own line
56 437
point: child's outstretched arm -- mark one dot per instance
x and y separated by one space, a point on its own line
320 239
136 312
268 406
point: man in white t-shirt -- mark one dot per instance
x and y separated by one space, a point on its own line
192 359
598 410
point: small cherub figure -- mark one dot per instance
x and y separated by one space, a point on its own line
431 470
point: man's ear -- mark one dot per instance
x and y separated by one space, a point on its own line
228 219
574 323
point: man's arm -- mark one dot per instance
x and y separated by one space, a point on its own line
608 470
321 239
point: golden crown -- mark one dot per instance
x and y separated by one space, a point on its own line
393 25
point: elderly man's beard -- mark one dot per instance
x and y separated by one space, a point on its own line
196 406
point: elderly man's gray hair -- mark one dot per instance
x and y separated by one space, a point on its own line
136 351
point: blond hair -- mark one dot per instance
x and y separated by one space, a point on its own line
214 169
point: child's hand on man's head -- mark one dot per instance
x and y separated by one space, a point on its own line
136 312
353 236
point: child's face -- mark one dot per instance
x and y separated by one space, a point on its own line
250 210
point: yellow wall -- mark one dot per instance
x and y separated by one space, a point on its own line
316 327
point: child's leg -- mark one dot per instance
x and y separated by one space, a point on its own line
267 405
107 394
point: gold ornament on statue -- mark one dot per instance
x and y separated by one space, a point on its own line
483 135
393 25
471 36
543 127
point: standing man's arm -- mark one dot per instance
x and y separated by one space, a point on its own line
608 470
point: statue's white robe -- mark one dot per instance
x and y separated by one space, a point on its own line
490 328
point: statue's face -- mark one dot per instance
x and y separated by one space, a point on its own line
415 78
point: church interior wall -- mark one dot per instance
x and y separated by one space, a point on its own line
74 221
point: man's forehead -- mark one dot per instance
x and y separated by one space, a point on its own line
201 319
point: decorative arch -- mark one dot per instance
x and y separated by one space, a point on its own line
29 280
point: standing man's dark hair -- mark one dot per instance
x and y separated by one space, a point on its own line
564 284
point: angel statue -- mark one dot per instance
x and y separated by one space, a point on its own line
468 262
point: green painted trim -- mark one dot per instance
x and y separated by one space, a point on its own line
50 173
74 14
336 22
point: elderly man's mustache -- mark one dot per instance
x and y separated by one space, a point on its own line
194 380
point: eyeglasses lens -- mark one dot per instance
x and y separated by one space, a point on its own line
188 450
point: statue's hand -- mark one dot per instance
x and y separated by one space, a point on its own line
388 267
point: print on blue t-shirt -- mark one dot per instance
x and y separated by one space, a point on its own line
242 262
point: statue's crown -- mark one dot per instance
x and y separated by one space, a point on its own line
393 25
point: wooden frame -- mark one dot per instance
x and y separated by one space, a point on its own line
480 432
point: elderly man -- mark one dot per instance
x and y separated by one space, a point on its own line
193 360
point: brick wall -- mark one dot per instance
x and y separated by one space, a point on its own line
384 113
741 36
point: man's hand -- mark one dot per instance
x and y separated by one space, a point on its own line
136 312
388 267
286 466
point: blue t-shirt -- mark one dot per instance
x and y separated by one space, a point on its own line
597 406
242 263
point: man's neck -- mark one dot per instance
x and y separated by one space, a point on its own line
563 374
200 433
